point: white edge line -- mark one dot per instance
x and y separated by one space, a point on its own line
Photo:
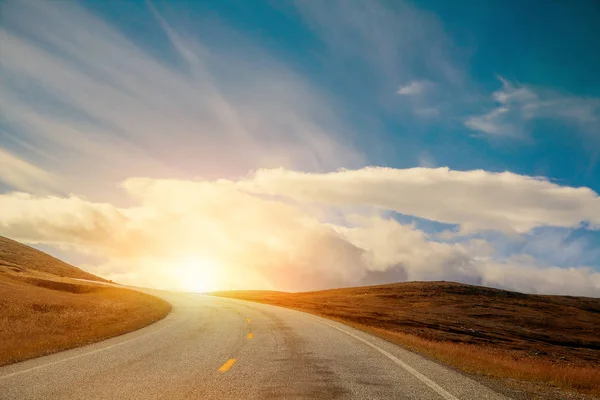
434 386
85 354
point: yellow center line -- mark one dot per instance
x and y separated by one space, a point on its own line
228 364
250 335
248 320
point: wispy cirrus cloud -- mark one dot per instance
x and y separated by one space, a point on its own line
403 48
422 98
78 88
22 175
520 105
494 123
397 48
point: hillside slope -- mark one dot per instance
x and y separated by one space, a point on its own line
21 258
44 310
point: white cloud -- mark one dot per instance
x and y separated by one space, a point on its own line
400 252
527 277
475 200
519 104
182 231
256 241
412 88
59 220
493 124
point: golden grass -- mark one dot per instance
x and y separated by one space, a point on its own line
549 340
43 310
496 363
42 316
17 257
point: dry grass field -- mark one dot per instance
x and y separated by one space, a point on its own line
44 310
536 345
17 257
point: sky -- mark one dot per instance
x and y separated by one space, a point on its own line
303 145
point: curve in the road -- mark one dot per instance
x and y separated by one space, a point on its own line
214 348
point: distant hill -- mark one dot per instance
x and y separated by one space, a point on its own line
19 257
456 312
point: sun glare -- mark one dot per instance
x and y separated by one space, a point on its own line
198 274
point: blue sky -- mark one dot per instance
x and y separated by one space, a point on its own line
461 49
97 93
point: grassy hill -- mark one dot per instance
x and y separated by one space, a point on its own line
21 258
44 310
552 340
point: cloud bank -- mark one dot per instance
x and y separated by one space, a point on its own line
283 229
474 200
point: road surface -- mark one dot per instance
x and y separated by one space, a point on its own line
215 348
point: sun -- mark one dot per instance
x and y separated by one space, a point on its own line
198 274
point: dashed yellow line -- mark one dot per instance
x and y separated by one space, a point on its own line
250 335
228 364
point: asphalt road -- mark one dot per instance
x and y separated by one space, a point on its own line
214 348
